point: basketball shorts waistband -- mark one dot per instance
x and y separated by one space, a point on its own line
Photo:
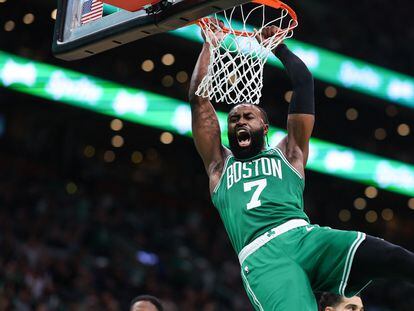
269 235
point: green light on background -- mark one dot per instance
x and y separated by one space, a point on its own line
146 108
339 70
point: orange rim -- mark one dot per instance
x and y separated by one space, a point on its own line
271 3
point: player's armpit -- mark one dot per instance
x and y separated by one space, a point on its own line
216 169
300 127
296 145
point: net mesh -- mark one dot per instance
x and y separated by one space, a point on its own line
235 72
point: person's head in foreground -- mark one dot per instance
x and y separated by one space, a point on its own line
247 128
332 302
145 303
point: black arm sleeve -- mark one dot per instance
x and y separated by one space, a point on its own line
303 100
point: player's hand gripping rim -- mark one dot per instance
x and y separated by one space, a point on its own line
212 31
269 35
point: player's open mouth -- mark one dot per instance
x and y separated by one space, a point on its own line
243 137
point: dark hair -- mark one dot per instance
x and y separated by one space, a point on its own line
262 111
329 300
264 114
149 298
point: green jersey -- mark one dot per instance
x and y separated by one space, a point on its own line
257 194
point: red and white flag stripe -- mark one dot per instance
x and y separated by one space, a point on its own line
91 10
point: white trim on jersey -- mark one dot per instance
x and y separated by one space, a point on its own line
269 235
250 291
287 162
349 260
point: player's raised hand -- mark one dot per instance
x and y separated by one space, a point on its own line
212 31
268 35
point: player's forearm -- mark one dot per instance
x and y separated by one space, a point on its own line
302 81
295 67
200 71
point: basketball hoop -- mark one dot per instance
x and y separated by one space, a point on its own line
235 72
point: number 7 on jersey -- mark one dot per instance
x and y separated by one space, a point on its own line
260 184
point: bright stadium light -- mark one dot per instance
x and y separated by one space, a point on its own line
174 116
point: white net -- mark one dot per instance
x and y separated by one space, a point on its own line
235 72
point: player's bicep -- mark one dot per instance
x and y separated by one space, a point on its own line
206 133
300 127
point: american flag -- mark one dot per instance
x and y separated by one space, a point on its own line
91 10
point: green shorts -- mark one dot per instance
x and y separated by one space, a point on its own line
283 273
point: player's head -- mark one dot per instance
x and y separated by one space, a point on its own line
145 303
247 127
332 302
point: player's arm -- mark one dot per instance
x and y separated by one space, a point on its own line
205 124
301 116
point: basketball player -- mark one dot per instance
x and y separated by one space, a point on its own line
145 303
332 302
258 193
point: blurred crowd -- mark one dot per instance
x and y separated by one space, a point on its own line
98 247
361 30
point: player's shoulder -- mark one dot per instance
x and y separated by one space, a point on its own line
226 153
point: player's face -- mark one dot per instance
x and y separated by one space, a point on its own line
348 304
246 131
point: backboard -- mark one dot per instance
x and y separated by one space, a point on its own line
77 37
